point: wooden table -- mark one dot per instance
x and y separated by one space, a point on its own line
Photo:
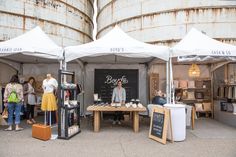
96 109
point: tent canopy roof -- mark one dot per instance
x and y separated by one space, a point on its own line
196 46
115 46
34 43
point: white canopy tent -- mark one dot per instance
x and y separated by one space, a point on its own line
33 46
117 46
198 47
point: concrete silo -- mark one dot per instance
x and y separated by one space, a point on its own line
166 22
66 22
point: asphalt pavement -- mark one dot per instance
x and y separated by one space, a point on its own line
209 139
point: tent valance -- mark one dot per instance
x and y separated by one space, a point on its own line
117 43
33 43
196 46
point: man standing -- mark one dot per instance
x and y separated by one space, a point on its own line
118 96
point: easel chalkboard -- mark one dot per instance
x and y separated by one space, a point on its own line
159 125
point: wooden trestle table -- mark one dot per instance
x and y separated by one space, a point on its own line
97 109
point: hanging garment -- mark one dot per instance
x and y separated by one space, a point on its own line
79 89
234 92
1 102
2 92
218 92
221 92
234 105
226 90
230 93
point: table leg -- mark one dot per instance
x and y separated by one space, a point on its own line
135 121
96 121
131 115
193 117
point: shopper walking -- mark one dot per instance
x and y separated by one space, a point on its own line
13 99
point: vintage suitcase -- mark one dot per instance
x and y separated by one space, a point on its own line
42 132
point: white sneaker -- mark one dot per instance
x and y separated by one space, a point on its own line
119 122
114 122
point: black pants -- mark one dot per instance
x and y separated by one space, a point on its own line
118 116
30 111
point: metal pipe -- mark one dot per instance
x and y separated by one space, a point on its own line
172 91
167 83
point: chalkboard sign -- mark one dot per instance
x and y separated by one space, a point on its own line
105 80
159 124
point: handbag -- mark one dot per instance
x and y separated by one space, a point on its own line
5 113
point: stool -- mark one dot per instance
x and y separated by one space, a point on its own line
144 114
89 116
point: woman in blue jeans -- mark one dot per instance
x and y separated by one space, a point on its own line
13 98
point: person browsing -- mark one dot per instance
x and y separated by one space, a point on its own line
13 99
159 98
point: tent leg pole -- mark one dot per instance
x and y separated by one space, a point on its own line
172 91
167 82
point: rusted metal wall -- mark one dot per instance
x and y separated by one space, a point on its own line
67 22
166 22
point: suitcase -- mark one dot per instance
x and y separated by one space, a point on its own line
42 132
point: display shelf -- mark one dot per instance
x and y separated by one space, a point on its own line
225 117
68 115
74 88
230 113
200 93
69 107
196 91
192 88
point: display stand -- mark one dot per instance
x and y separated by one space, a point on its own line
68 107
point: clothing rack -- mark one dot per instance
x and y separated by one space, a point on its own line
68 110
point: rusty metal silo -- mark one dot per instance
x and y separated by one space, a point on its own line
66 22
166 22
